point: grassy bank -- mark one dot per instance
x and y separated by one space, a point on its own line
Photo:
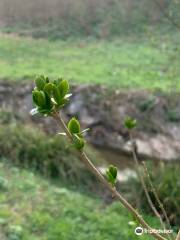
150 62
33 208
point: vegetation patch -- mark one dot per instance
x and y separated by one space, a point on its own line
166 180
30 147
82 18
145 63
34 209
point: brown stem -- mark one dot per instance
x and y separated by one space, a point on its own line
156 196
178 236
156 213
101 178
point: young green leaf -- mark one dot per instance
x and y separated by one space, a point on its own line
85 130
130 123
49 103
40 82
48 88
78 142
113 171
63 87
47 79
67 96
39 98
62 134
56 95
34 111
74 126
57 81
35 94
43 102
111 174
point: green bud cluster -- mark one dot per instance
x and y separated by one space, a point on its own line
130 123
77 135
111 174
49 95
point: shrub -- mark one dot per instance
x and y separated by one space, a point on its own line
7 116
30 147
173 115
166 180
63 19
49 97
147 104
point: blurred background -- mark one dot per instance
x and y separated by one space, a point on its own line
122 59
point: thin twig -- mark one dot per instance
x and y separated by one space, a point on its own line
170 19
102 179
178 236
151 204
156 196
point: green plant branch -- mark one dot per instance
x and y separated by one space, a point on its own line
49 97
152 206
156 196
84 158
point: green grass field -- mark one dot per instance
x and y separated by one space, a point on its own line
148 63
32 208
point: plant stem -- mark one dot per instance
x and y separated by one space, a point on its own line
84 158
178 236
156 196
156 213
